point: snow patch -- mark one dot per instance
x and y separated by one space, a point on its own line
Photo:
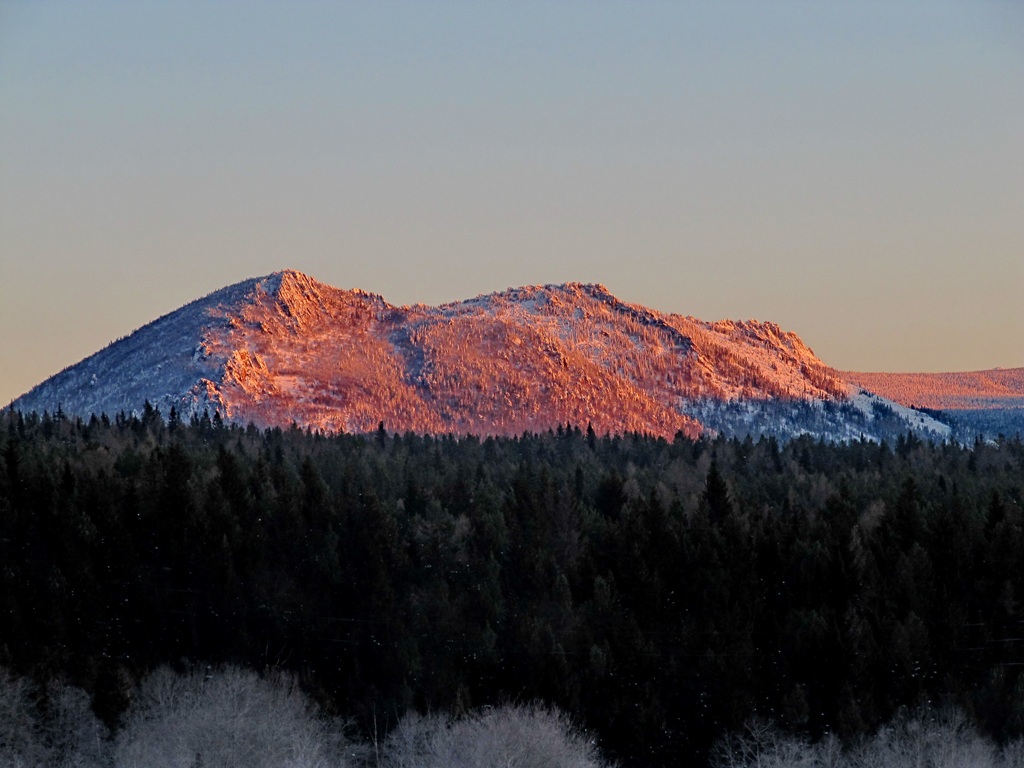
869 402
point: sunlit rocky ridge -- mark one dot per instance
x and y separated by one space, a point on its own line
286 348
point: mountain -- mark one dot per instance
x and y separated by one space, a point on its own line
285 348
986 402
972 390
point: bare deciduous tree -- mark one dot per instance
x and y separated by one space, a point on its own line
228 718
77 738
924 738
762 744
21 737
62 734
1012 755
528 736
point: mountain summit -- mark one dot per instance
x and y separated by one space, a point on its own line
285 347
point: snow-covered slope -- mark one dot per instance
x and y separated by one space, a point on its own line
165 362
286 348
870 404
974 403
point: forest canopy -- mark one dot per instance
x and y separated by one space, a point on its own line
663 593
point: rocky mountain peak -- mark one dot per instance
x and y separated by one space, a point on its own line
286 347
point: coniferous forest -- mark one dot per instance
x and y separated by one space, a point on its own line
663 594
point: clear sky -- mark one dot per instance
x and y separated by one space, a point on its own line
852 170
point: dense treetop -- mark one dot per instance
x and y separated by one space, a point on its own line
662 592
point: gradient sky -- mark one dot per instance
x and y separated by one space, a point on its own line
852 170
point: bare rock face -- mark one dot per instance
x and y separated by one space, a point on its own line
285 348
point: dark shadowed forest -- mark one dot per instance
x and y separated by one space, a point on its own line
668 596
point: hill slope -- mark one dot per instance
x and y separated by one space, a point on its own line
996 388
974 403
286 348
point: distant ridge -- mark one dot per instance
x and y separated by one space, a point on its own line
286 348
995 388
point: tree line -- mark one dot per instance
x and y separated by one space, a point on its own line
235 718
662 593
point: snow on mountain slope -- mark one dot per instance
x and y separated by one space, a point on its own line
286 348
869 402
165 362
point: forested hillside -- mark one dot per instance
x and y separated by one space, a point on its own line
287 348
973 402
966 390
662 593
